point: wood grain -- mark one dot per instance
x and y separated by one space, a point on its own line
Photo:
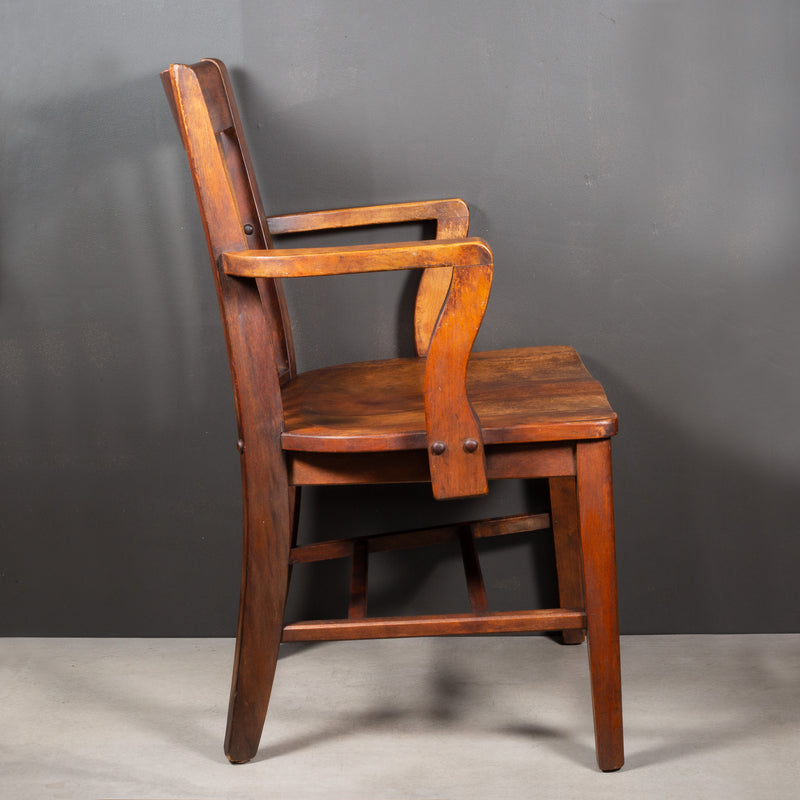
350 259
437 625
455 437
422 537
449 417
449 212
596 520
308 468
525 395
476 589
567 541
265 489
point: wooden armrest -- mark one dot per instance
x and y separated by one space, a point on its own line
452 222
309 261
455 442
452 217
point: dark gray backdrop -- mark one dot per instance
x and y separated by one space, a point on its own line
636 168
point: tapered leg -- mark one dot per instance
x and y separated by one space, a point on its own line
265 571
566 536
596 516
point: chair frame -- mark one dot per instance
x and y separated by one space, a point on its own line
454 452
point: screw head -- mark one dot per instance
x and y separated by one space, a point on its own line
470 445
437 448
248 229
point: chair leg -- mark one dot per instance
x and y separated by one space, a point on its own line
566 536
596 515
265 572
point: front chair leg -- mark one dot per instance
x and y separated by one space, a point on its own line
265 571
566 538
596 516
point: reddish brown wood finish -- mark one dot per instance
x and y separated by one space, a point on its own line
348 259
456 457
358 581
448 417
438 625
534 394
472 568
265 489
451 216
596 521
411 466
567 539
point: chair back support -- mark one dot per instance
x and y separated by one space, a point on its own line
205 111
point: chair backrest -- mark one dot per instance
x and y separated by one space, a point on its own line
203 104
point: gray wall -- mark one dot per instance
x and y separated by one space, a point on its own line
636 168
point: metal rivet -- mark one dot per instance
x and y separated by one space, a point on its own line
470 445
437 448
248 229
240 445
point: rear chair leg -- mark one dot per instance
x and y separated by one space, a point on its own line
265 572
596 515
566 537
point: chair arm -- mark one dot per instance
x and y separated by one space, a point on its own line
452 217
452 222
343 260
455 442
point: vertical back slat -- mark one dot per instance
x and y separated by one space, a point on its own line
239 202
250 198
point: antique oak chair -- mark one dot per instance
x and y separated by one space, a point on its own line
449 417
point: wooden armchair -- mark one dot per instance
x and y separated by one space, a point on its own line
450 417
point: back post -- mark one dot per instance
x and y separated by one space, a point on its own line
260 356
201 97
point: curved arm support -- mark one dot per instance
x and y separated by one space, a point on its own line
455 444
433 284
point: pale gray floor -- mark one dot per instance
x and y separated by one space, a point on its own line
705 717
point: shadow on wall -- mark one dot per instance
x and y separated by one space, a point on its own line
115 392
673 270
106 288
702 132
706 540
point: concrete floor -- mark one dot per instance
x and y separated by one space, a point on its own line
705 717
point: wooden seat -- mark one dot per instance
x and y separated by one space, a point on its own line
449 417
523 395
